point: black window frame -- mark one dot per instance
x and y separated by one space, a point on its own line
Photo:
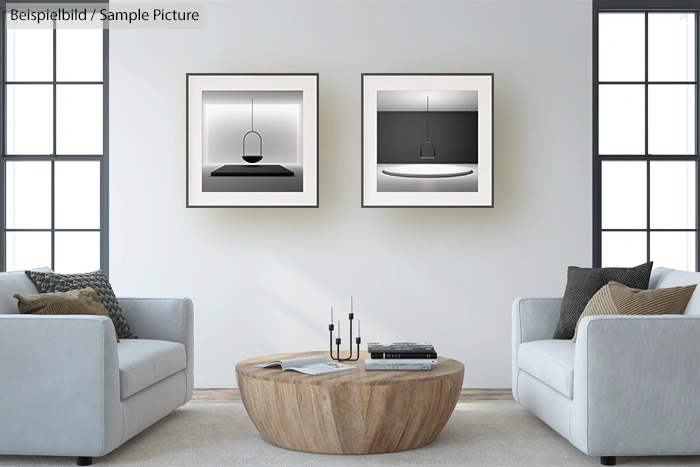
103 159
643 6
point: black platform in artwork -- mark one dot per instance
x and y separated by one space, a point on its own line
236 170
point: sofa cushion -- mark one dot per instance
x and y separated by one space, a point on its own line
550 361
662 278
53 282
583 283
617 299
12 283
144 362
76 302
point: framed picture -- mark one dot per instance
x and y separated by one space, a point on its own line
252 140
427 140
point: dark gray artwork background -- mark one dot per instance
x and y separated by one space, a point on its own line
454 134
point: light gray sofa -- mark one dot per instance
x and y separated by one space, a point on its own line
68 389
629 386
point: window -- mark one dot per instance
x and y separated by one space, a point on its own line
53 167
645 143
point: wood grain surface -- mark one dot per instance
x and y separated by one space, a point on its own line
352 412
467 396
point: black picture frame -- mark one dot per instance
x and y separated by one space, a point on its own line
308 197
425 82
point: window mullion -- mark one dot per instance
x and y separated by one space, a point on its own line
639 157
51 157
104 160
53 214
82 83
53 163
3 142
697 143
646 129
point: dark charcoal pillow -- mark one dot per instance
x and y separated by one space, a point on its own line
583 283
48 282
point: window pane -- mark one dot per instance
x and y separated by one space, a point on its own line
672 195
77 252
79 54
621 119
77 195
79 119
621 47
28 203
624 195
624 249
671 47
29 54
671 119
28 250
675 250
30 119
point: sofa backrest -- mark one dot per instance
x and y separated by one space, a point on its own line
662 278
12 283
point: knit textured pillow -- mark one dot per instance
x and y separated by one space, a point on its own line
583 283
617 299
76 302
49 282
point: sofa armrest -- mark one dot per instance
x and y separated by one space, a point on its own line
59 385
167 319
533 319
636 383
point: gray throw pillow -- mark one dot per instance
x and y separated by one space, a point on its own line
48 282
583 283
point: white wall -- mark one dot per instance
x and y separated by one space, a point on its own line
262 279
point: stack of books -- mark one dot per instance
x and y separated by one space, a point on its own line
414 356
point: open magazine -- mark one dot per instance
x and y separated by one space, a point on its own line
309 365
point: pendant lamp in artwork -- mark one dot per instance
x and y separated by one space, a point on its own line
252 142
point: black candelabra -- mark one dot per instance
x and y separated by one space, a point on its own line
331 328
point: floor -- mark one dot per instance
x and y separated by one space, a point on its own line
479 434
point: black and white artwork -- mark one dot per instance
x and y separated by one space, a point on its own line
252 140
427 140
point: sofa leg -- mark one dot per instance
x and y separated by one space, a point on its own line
608 460
88 461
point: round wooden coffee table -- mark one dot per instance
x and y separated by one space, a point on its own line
351 412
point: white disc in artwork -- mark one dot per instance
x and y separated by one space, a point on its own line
427 170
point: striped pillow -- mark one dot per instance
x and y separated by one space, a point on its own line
618 299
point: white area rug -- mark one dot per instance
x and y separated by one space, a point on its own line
221 434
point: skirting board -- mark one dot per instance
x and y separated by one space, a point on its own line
467 395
